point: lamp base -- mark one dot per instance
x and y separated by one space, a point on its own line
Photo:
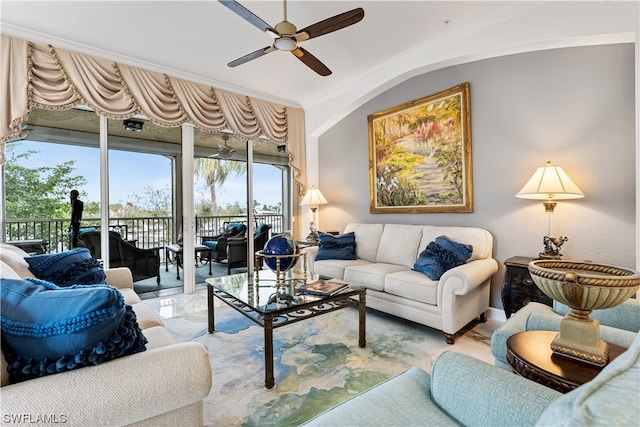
579 339
552 245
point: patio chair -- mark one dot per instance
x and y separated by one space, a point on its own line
143 263
218 243
237 248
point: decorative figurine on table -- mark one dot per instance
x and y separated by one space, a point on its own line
552 247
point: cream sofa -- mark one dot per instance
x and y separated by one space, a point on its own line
386 254
162 386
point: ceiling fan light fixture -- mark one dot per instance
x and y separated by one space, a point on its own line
286 44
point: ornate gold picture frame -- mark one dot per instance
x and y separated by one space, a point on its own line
420 155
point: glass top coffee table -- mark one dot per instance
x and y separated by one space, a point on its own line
272 308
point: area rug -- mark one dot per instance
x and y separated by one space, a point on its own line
317 362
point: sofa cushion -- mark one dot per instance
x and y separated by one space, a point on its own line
441 255
73 267
480 239
412 285
336 247
367 239
370 275
335 267
611 397
211 244
48 329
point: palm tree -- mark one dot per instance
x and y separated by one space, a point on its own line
216 172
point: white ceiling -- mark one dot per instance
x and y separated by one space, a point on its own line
395 40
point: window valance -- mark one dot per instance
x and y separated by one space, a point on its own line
42 76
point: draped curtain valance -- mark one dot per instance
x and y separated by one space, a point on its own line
42 76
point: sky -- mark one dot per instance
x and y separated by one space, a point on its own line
131 172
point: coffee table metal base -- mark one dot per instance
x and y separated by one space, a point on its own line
270 321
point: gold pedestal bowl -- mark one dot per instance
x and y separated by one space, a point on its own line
583 286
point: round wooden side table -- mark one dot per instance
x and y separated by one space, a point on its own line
530 356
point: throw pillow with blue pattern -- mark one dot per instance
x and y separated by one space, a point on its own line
48 329
74 267
336 247
441 255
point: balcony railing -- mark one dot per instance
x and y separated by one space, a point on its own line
147 232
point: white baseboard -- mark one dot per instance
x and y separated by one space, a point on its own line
497 314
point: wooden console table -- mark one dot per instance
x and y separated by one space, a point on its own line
529 354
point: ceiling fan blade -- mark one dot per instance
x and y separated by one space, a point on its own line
250 17
330 25
250 56
311 61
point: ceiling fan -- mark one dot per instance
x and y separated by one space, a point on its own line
224 151
287 38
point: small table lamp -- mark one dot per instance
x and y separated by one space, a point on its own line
550 183
313 198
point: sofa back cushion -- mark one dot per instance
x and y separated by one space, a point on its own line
611 398
367 239
399 244
480 239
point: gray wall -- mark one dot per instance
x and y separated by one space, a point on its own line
573 106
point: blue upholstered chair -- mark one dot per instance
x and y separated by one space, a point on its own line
618 325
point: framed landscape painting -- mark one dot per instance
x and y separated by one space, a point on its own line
420 155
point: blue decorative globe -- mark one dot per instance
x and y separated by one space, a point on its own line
282 244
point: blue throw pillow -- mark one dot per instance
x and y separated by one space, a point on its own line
441 255
74 267
336 247
211 244
48 329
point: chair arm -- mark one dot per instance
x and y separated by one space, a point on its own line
476 393
463 279
119 392
551 322
119 277
514 324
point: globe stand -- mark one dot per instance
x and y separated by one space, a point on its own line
281 275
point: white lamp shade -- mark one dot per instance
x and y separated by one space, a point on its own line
313 197
550 182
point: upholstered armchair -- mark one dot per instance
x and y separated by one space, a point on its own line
618 325
143 263
237 247
218 243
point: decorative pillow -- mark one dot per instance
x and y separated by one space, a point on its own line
74 267
235 228
441 255
336 247
48 329
260 229
229 231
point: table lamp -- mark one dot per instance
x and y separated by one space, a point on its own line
313 198
550 183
